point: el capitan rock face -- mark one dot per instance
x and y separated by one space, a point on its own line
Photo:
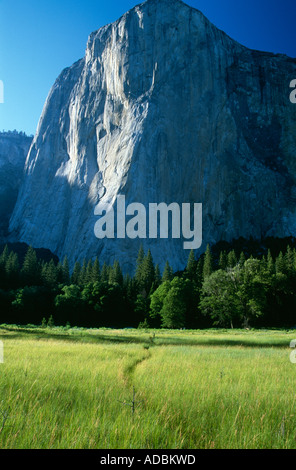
164 107
14 148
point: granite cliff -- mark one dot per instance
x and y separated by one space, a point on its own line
14 148
164 107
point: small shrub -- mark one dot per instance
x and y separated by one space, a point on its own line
50 322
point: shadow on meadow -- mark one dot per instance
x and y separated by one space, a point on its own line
84 336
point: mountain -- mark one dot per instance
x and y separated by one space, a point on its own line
164 107
14 148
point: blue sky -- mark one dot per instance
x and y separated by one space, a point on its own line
39 38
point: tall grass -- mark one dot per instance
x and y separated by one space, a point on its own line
193 389
223 397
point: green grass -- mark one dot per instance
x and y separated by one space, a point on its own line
218 389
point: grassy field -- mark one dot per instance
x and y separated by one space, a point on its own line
216 389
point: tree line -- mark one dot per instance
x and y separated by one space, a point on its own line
225 289
14 133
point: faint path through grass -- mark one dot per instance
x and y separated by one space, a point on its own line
129 369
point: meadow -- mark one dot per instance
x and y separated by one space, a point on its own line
74 388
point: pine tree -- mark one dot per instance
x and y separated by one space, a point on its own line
130 288
294 262
44 272
31 270
148 272
199 272
190 270
76 273
270 263
242 259
263 264
65 271
50 274
167 274
208 263
157 276
4 256
105 273
289 259
88 272
280 264
231 259
82 275
3 260
115 275
139 265
60 279
12 269
126 282
223 260
95 276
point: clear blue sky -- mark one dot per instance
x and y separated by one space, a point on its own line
39 38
